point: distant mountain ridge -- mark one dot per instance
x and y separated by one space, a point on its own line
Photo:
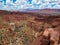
34 11
44 10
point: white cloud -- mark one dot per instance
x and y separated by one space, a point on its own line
36 4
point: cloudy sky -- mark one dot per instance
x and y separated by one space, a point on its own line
29 4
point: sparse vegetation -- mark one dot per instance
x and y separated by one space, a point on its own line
20 30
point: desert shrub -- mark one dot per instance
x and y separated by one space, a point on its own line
26 40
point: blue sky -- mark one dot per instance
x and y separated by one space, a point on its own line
29 4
